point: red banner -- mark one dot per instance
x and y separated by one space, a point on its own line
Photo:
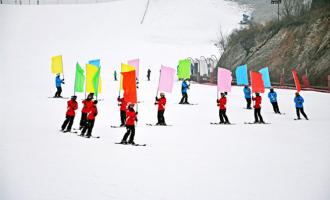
256 82
129 86
296 80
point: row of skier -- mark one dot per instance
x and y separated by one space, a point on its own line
128 115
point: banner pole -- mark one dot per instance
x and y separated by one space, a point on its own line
120 78
75 80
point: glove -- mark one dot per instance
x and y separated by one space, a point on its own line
136 113
156 98
136 119
156 103
217 100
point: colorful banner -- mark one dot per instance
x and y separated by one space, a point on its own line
256 82
224 80
136 64
129 86
265 77
125 68
305 81
166 79
57 65
184 69
92 79
242 75
96 62
79 79
296 80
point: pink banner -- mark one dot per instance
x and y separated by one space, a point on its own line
166 79
136 64
224 80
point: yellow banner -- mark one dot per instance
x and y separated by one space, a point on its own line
125 68
57 65
92 74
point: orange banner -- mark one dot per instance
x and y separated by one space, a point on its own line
256 82
296 80
129 86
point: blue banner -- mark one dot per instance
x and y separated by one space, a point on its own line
265 77
242 75
95 62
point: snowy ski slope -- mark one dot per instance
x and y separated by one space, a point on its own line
191 159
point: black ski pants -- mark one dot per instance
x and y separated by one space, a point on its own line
68 123
223 116
184 98
301 110
122 117
58 92
160 117
130 132
248 103
275 107
88 127
83 120
257 115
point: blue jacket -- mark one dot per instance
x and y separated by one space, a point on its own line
247 93
272 97
299 101
184 87
58 81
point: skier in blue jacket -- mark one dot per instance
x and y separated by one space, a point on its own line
273 100
247 95
58 83
184 87
299 101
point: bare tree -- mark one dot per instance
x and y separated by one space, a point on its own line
222 42
295 7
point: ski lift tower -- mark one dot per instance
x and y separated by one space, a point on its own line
278 2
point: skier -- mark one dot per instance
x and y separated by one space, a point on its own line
115 75
257 109
273 100
87 104
58 83
299 101
131 118
70 114
148 74
247 94
123 104
222 109
184 87
92 112
161 109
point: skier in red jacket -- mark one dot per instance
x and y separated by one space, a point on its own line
70 113
131 118
88 103
161 102
123 106
91 114
222 109
257 109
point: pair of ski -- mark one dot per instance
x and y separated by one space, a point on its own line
146 124
256 123
75 132
142 145
218 123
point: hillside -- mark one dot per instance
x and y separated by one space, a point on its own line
302 40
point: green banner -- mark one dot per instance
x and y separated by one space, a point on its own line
80 79
184 69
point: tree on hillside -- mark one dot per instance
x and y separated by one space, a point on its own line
319 3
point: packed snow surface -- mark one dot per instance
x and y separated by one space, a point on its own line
191 159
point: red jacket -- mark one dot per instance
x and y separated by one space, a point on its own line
257 102
72 106
130 117
222 103
161 103
92 113
87 105
123 104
